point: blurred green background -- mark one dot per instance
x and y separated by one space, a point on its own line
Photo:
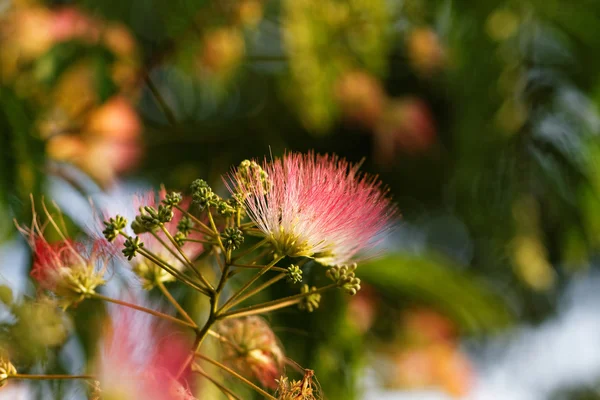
481 117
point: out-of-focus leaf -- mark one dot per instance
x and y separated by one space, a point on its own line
438 281
6 294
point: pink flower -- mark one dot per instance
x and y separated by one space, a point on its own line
140 359
317 206
70 269
251 347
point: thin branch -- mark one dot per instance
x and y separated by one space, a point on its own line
49 377
263 271
161 101
223 389
274 304
176 304
260 288
143 309
236 375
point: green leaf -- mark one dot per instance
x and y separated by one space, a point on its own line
439 281
6 295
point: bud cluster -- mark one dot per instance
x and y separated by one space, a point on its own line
113 227
150 219
294 274
249 172
203 195
344 276
131 247
310 302
232 238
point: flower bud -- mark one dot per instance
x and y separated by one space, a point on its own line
294 274
232 238
251 347
311 302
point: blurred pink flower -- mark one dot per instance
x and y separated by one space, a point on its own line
406 125
317 206
139 359
70 269
70 23
251 347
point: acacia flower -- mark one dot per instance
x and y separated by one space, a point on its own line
70 269
251 347
149 272
139 358
316 206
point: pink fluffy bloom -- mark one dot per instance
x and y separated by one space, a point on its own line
70 269
139 359
317 206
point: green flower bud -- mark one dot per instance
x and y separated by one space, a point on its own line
113 227
294 274
172 199
311 302
180 238
232 238
248 171
132 246
165 214
224 208
202 194
185 225
344 276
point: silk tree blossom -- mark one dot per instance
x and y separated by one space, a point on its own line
316 206
139 358
251 347
149 272
72 270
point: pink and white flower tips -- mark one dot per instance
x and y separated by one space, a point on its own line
316 206
71 270
139 359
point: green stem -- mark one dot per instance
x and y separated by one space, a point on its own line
263 271
260 288
49 377
251 249
167 267
143 309
201 224
187 261
171 270
254 266
169 249
175 303
230 395
200 335
199 241
236 375
258 257
214 228
275 304
161 101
